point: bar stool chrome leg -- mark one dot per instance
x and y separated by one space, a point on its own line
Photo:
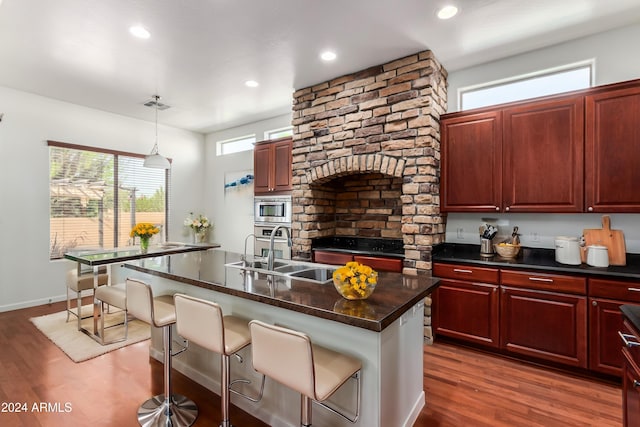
167 410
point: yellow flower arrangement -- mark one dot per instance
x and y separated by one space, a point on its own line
355 280
144 230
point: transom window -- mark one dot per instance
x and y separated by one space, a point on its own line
547 82
235 145
278 133
96 197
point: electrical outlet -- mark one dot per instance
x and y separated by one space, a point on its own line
535 237
460 233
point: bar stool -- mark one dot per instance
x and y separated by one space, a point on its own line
225 335
315 372
83 282
112 295
166 409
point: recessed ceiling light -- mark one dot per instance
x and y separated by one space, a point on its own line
328 56
447 12
251 83
140 32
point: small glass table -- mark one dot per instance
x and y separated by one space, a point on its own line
106 257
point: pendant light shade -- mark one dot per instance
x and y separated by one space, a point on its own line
154 159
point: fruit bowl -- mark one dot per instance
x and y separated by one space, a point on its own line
507 250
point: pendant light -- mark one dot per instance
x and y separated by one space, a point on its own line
154 159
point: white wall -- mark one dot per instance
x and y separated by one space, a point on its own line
615 62
27 277
232 210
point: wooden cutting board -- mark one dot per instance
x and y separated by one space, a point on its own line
612 239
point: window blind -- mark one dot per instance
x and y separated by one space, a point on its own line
97 196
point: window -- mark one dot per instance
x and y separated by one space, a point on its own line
97 196
278 133
235 145
547 82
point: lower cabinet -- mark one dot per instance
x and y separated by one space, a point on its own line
544 325
542 316
467 311
375 262
630 377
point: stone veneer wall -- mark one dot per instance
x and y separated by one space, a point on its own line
383 120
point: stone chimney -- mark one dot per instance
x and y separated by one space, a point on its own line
366 157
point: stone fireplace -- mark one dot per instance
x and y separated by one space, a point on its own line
366 152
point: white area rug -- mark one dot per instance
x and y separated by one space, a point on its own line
80 347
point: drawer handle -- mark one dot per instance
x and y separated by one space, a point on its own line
636 383
459 270
626 340
540 279
634 289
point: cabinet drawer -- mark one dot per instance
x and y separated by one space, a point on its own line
615 289
328 257
544 281
380 263
466 272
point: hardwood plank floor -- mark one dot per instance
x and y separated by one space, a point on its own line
463 387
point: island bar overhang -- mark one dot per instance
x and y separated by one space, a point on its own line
392 357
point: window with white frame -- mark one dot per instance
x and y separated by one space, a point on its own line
547 82
235 145
96 196
278 133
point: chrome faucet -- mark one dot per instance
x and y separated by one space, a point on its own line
244 255
270 255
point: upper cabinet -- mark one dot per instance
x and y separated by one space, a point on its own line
523 158
272 166
565 153
613 150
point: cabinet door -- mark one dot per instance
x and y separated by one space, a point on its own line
630 390
262 168
471 162
543 156
380 263
545 325
605 320
282 165
612 155
467 311
328 257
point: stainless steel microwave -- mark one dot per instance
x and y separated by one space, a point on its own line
272 209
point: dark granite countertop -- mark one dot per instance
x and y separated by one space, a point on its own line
394 295
393 248
532 259
632 312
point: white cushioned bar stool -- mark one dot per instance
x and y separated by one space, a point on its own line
116 296
82 282
203 323
165 409
316 372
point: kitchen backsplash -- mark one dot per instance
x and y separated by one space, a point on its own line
540 230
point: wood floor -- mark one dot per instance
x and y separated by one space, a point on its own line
462 387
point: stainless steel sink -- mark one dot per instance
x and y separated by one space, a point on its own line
291 268
256 265
317 274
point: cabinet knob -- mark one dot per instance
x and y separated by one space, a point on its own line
636 383
507 209
590 208
497 209
594 303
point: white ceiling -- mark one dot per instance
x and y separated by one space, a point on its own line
201 52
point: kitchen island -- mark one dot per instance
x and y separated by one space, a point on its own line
385 332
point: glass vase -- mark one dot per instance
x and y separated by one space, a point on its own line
144 244
199 236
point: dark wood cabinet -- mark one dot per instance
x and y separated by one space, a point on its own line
563 153
630 376
465 306
272 166
543 147
545 325
376 262
471 162
612 155
605 320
